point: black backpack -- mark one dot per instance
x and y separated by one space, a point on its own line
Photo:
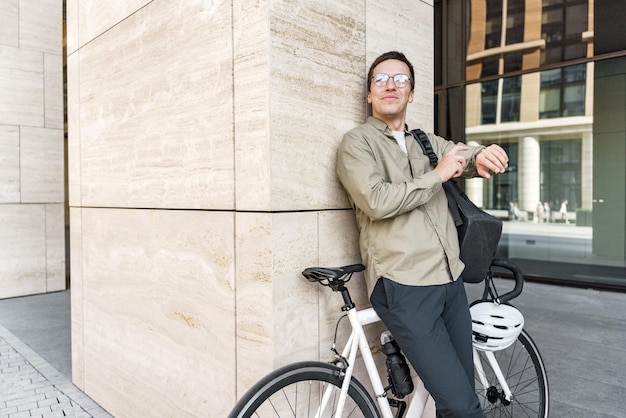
479 232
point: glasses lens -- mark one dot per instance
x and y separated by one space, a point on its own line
400 79
380 79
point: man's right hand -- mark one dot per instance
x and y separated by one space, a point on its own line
452 164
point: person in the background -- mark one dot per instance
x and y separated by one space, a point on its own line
563 211
539 210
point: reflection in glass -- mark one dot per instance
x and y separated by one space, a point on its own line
562 92
511 88
562 126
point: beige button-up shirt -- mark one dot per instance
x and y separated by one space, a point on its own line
406 231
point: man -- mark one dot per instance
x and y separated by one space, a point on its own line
408 239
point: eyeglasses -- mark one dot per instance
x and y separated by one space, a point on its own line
381 79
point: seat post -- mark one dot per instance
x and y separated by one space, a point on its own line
349 304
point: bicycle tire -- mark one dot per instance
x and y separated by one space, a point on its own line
525 374
278 393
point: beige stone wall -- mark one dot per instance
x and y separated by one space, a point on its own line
202 141
32 237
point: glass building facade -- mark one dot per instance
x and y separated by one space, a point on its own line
545 79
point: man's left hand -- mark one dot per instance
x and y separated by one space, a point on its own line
491 160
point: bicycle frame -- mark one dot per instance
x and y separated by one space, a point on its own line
284 387
357 341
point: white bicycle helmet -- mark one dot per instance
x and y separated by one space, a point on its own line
495 327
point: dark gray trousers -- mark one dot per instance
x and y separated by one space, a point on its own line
432 326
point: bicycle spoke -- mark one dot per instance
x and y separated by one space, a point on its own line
524 373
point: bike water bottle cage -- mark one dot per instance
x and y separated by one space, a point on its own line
495 327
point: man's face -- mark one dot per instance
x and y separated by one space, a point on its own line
389 102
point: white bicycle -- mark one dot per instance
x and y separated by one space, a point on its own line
511 378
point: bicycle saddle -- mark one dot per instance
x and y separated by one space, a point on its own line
320 274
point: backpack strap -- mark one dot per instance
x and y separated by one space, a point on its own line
427 148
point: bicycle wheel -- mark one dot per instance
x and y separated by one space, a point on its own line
296 390
525 374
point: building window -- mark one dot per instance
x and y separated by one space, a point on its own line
511 89
489 102
503 95
562 25
562 92
493 24
515 22
513 61
561 165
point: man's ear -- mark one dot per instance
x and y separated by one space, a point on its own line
411 96
369 99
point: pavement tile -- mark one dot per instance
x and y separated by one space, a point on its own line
30 387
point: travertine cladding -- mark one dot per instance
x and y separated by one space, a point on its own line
9 23
22 249
41 26
41 165
10 166
316 84
32 237
157 311
156 110
96 17
22 84
231 113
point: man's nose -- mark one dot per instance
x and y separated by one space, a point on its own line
390 85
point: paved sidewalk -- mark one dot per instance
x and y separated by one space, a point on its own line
31 387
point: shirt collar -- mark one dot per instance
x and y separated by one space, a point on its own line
383 127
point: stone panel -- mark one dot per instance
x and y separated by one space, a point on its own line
156 110
55 247
295 239
41 165
277 313
98 16
254 298
317 66
9 164
21 84
53 91
22 250
251 106
41 25
9 23
158 311
77 299
73 130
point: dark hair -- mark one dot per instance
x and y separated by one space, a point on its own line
391 55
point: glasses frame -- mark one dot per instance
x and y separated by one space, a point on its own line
398 83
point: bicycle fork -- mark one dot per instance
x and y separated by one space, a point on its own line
493 363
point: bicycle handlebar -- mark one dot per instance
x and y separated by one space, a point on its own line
517 275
